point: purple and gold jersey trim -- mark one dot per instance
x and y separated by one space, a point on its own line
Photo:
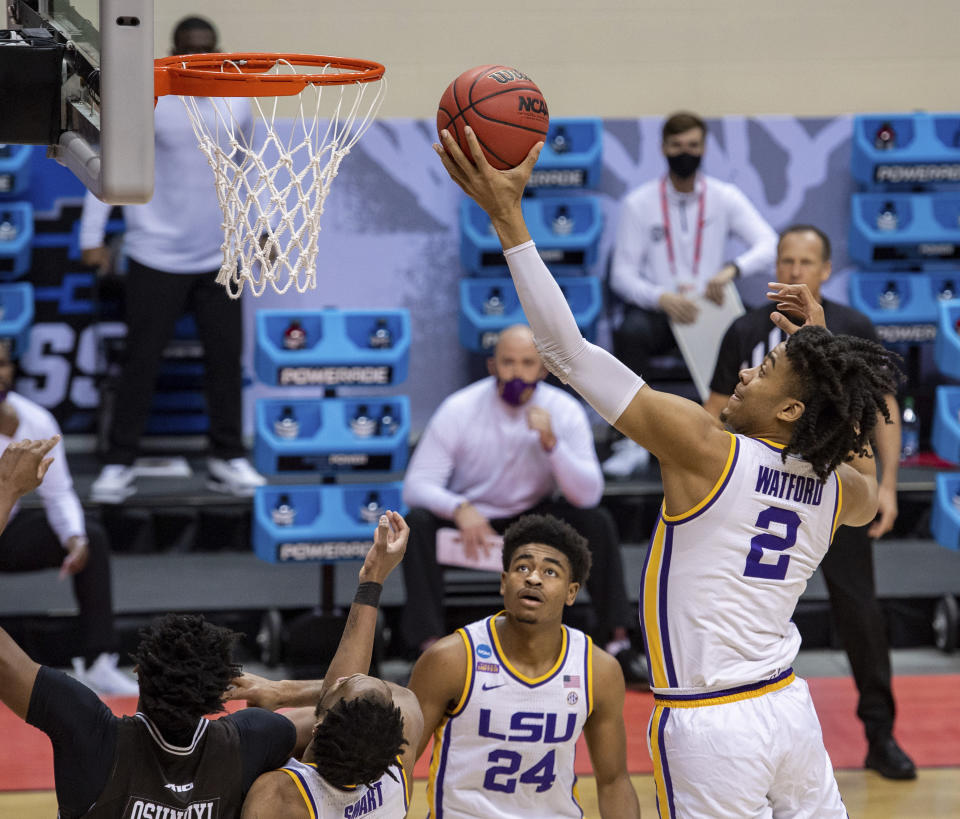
508 666
661 770
407 785
839 504
468 679
588 674
653 598
741 692
304 789
715 492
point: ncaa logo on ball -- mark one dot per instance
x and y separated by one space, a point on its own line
484 651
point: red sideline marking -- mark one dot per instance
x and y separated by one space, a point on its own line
928 711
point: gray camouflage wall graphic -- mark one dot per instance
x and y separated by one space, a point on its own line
390 230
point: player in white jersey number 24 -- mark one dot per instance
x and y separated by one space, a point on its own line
507 697
747 516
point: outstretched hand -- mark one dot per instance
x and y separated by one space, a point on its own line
256 690
797 300
23 465
389 546
497 192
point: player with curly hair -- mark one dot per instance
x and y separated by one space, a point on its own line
748 514
360 759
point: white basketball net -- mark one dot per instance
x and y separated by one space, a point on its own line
272 188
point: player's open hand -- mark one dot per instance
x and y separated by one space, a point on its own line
497 192
256 690
797 300
23 465
389 546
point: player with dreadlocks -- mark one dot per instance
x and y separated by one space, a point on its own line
361 757
747 515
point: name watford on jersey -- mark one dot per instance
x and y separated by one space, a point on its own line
787 486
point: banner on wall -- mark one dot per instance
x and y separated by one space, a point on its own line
390 238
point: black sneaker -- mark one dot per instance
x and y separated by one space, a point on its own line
889 760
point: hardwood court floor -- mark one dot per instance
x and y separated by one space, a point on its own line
935 794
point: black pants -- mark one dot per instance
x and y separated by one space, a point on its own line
423 615
641 335
29 544
155 300
848 571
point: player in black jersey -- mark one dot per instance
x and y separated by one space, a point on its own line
167 760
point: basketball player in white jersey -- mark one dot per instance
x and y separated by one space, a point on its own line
507 697
356 763
745 520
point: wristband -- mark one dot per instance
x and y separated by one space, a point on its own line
368 594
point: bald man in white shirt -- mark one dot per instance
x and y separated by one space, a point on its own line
61 537
500 448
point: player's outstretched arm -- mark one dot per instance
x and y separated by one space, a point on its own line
691 437
438 679
356 644
607 741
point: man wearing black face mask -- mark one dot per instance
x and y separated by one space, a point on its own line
670 246
493 451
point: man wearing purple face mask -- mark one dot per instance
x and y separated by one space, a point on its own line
503 447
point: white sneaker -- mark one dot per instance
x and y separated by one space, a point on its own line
114 484
104 677
628 456
236 476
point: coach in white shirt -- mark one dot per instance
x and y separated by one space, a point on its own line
173 245
497 449
671 245
61 537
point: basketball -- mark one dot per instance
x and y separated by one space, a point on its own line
503 106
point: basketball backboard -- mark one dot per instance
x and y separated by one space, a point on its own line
77 76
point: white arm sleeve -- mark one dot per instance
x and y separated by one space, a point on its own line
606 384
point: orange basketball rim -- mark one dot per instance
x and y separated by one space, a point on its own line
272 182
245 74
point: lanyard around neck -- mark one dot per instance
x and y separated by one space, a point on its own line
668 233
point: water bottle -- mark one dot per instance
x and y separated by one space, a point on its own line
381 338
371 510
283 513
889 299
885 138
287 426
946 292
909 430
294 337
559 143
562 224
362 424
493 306
8 230
887 217
388 422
